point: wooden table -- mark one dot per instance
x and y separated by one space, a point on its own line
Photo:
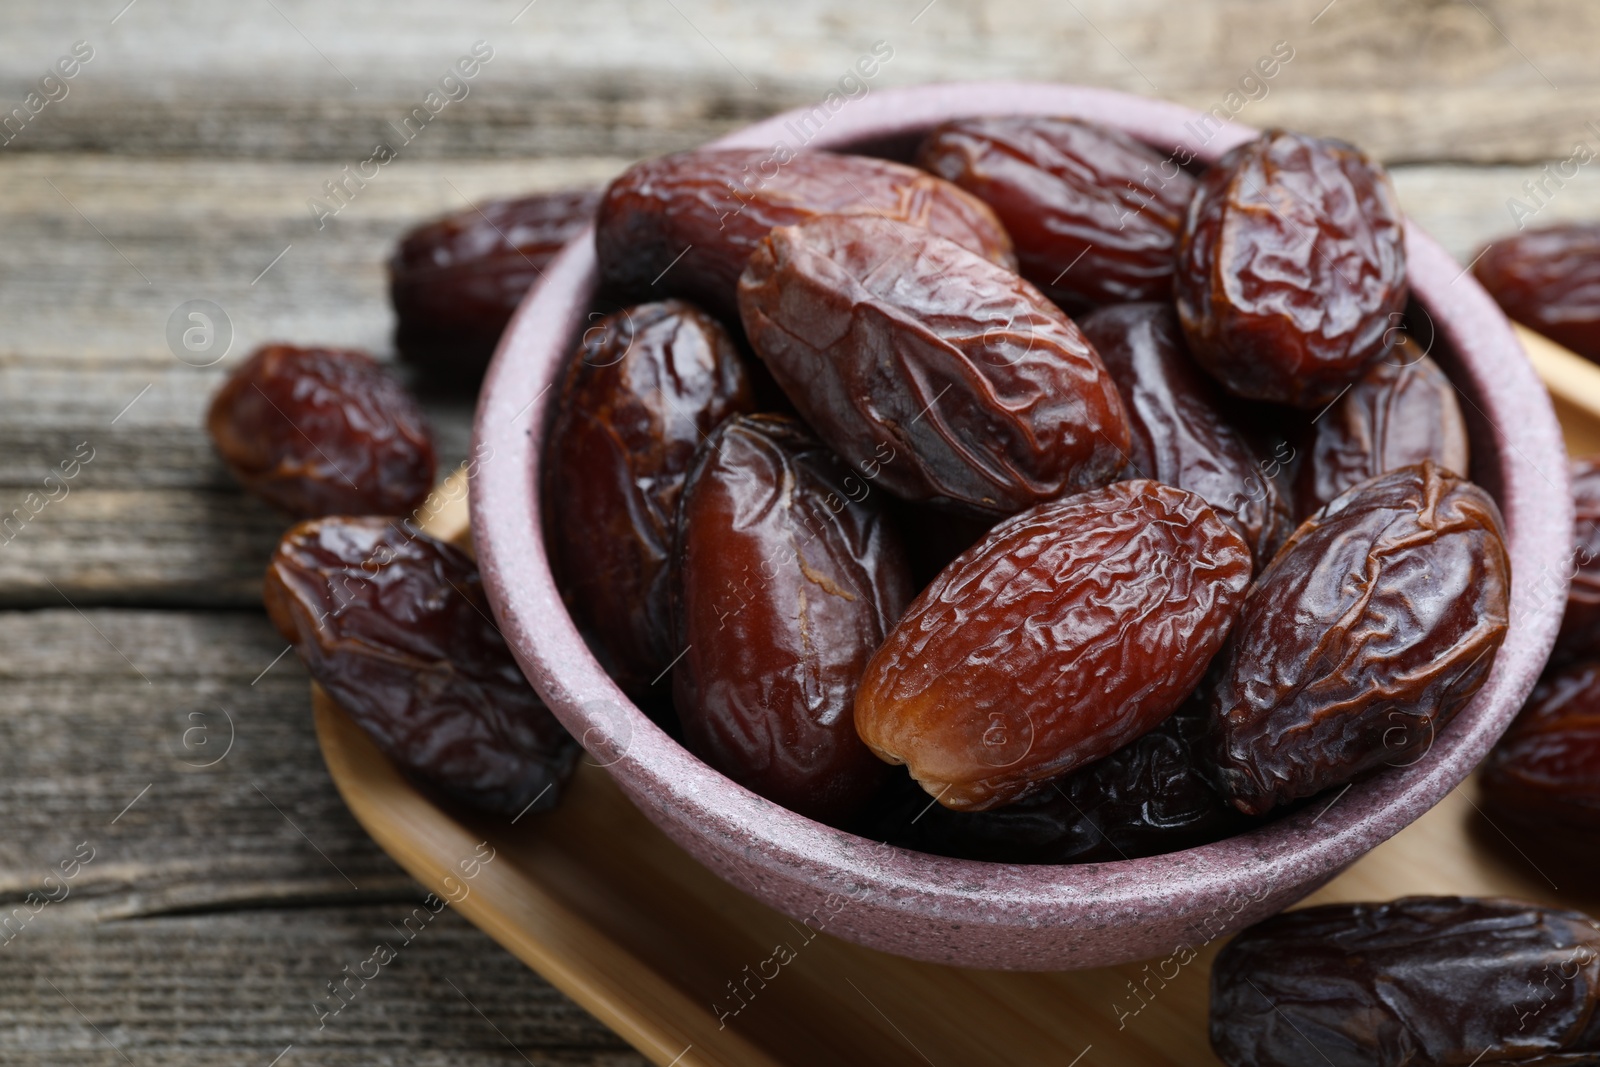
147 716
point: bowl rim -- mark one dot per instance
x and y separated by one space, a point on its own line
764 847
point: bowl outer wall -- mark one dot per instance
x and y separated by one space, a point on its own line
971 913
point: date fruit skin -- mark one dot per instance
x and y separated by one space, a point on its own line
1092 212
323 431
1396 415
1546 769
1179 434
1291 268
893 341
396 627
1549 280
788 575
1580 624
644 388
1361 640
454 281
1415 982
1070 630
684 225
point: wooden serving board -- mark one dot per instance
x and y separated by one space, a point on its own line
682 965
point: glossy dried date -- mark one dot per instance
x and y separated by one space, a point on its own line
1417 981
323 431
1580 625
396 627
1361 640
1398 414
1291 268
1546 769
902 347
685 224
1093 213
455 281
787 577
1070 630
1549 280
1179 433
645 387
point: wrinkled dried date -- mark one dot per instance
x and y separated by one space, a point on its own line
1417 981
1179 433
1580 625
645 387
1291 268
1361 640
685 224
1549 280
1070 630
788 575
323 431
396 627
1396 415
455 281
960 378
1546 769
1093 213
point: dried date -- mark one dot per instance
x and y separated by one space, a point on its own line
396 627
1580 624
1361 640
1179 434
894 342
1549 280
1398 414
1071 629
685 224
1546 769
1414 982
787 577
455 281
323 431
645 387
1291 268
1093 213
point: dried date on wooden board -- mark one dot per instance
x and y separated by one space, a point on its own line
683 225
1549 280
1094 214
1420 980
1179 432
323 431
1291 268
1545 770
1580 625
788 575
1071 629
644 389
957 376
454 281
1361 640
396 627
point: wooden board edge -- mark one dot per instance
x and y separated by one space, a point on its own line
1567 375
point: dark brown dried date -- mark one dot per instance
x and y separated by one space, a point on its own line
684 225
645 387
1546 769
1179 434
1291 268
1549 280
1070 630
455 281
396 627
788 575
1093 213
1361 640
1398 414
1418 981
901 346
323 431
1580 625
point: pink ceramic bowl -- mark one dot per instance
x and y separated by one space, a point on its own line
983 914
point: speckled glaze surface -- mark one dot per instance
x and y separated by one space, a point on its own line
982 914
